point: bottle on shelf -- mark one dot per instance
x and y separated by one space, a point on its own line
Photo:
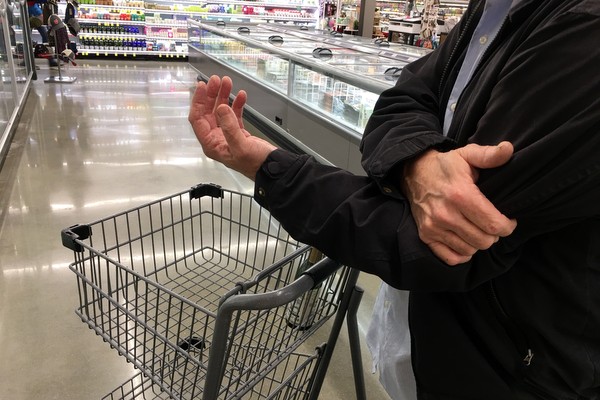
301 313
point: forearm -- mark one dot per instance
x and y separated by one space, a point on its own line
333 210
347 218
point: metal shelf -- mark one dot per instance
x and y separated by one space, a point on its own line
109 21
132 53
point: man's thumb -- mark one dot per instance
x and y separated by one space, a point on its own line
487 156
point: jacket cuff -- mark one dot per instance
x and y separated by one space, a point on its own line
386 169
405 149
277 164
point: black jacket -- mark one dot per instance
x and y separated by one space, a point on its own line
526 313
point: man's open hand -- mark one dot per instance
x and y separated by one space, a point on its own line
220 128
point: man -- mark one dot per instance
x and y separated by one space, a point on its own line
494 313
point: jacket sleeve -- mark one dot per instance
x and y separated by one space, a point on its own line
407 118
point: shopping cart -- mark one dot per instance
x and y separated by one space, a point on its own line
201 292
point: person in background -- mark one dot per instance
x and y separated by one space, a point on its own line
35 19
499 125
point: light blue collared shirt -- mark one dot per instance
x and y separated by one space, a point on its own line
492 18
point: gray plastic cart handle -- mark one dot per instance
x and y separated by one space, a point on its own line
307 281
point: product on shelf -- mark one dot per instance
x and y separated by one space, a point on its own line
104 43
166 20
128 30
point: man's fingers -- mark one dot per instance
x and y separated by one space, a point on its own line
456 232
491 222
197 116
198 102
487 156
212 92
229 125
457 244
482 213
238 107
224 92
447 255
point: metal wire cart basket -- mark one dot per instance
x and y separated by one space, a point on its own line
202 292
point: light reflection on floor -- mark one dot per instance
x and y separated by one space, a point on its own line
116 138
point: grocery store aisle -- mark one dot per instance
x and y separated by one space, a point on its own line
116 138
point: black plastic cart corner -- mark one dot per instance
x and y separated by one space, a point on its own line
197 290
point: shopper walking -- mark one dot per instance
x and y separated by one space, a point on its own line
495 314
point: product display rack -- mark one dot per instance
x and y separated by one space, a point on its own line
123 28
390 9
299 12
348 13
312 89
158 28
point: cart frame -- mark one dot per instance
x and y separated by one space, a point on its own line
136 292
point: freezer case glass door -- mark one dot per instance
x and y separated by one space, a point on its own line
265 66
337 99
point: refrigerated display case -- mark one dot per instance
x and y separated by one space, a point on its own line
16 68
313 90
378 46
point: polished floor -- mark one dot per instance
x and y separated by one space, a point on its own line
114 139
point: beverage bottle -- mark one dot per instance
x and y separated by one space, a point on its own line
301 313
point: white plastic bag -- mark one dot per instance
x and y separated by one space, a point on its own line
388 339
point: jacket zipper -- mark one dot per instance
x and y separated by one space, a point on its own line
457 45
517 336
483 57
